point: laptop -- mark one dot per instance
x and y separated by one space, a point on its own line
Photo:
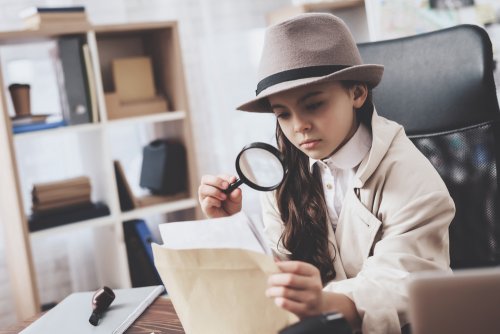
467 301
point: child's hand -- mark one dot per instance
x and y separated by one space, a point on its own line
214 202
297 288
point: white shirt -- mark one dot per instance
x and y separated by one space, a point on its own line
337 172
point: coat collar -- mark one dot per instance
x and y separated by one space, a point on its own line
351 154
383 133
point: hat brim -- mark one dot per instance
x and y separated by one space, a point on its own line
369 73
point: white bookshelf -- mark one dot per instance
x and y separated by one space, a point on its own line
93 152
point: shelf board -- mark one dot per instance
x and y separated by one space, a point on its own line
187 203
71 227
33 36
156 118
60 130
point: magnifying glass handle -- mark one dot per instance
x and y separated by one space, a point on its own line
233 186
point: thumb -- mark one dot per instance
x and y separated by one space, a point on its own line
235 195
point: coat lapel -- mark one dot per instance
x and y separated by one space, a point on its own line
355 234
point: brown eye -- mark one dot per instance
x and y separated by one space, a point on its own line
314 106
282 115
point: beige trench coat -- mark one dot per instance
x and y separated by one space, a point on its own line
393 222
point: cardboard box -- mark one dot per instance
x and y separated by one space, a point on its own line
133 78
117 109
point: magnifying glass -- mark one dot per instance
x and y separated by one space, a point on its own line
260 166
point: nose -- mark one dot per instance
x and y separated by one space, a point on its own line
301 124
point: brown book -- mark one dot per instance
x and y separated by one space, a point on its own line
60 194
60 197
40 188
56 20
58 16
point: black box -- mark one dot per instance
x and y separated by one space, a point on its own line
164 167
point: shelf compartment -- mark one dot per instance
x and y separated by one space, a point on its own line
72 227
160 43
182 204
67 155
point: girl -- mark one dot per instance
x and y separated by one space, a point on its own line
360 207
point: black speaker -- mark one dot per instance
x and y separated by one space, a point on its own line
164 167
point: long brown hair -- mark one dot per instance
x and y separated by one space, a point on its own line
302 205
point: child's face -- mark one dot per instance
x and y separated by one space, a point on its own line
318 119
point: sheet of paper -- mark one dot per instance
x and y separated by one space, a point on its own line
236 232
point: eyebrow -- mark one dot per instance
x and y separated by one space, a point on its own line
300 100
308 95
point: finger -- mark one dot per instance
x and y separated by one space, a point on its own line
235 195
214 181
210 202
210 191
301 296
228 178
299 268
292 306
291 281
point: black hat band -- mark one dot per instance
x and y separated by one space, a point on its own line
298 73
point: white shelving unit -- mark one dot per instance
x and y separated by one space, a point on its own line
93 151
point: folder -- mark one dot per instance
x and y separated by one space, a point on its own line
138 239
75 80
72 314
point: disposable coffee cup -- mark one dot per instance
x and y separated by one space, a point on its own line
20 94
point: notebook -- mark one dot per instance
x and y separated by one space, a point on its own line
72 314
466 302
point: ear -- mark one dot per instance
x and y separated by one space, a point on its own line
359 95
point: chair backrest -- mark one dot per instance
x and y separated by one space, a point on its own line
440 87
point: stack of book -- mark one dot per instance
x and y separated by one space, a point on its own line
59 194
61 202
57 18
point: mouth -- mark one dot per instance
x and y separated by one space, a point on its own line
309 143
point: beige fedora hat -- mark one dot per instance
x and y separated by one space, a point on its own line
306 49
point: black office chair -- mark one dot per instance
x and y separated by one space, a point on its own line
440 87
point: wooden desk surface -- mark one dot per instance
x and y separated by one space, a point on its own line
159 318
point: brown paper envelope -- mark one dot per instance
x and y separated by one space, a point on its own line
221 291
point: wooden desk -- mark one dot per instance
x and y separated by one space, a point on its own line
159 318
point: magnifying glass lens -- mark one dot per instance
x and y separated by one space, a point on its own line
261 167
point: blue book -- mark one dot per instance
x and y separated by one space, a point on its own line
146 238
37 126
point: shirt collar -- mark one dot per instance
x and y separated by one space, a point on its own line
352 153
